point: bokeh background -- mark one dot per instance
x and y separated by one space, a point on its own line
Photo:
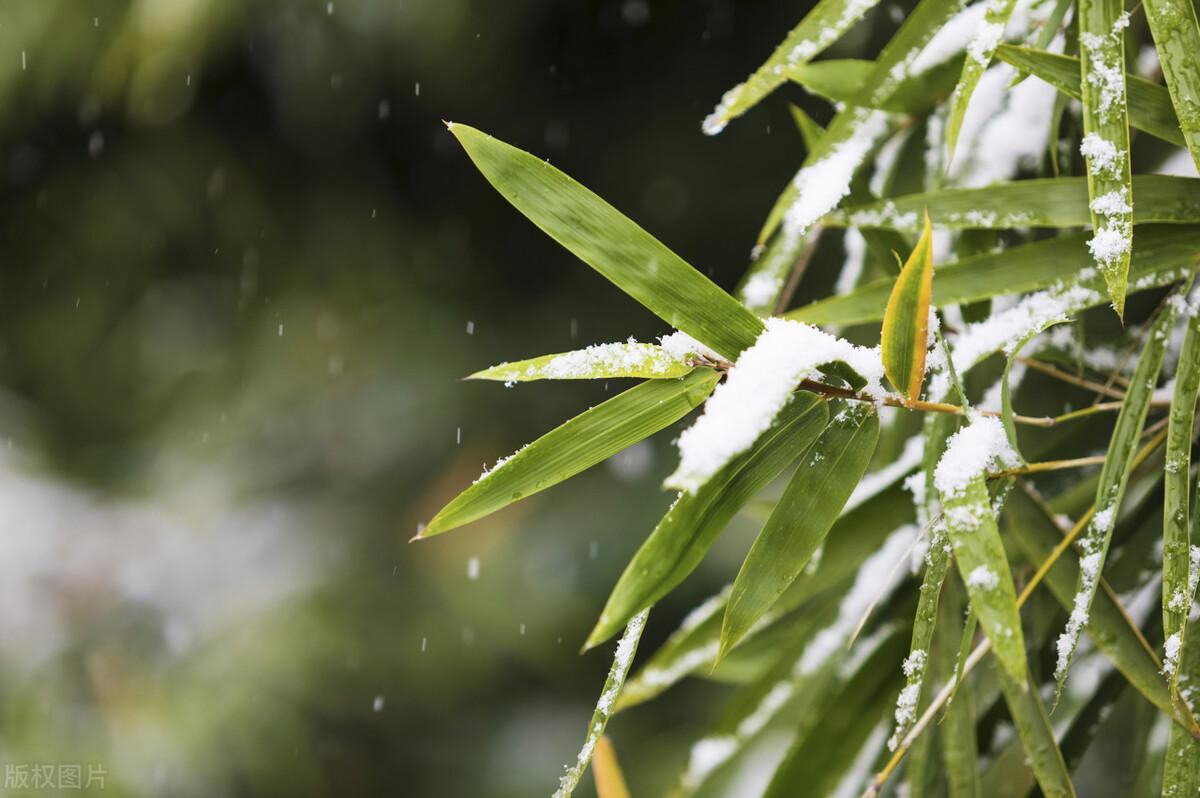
242 269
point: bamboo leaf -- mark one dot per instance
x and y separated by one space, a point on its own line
694 521
1051 202
1178 585
810 131
610 243
610 782
979 554
1036 536
812 501
1037 738
1106 140
579 444
622 659
1149 104
960 748
693 647
821 27
841 80
979 55
1118 463
905 334
1181 766
1177 41
601 361
1164 254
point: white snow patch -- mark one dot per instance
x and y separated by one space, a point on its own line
970 452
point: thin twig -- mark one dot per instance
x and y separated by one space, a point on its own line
1082 382
797 271
1048 465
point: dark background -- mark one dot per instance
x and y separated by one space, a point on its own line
240 255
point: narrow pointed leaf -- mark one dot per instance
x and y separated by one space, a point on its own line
1114 476
960 748
1149 104
812 501
1177 590
1181 766
1177 41
821 27
1163 255
841 80
1051 202
582 442
1105 146
622 659
602 361
905 334
609 242
979 553
810 130
979 55
688 530
1036 735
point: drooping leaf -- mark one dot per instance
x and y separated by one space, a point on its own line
979 554
821 27
622 659
979 55
841 80
1163 255
582 442
960 748
828 471
694 521
1105 145
1177 41
602 237
1149 104
1177 592
1037 737
602 361
1181 766
1114 476
1051 202
905 335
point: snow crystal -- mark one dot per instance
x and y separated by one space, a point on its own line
906 706
761 289
1111 204
970 452
1109 244
1102 155
614 358
821 185
1089 569
914 663
1102 521
983 577
680 346
759 385
1171 649
986 40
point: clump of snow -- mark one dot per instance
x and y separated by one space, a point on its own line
759 384
986 40
821 185
614 358
1113 203
970 453
1102 155
852 268
761 289
983 577
1089 570
680 346
1171 650
914 663
1110 244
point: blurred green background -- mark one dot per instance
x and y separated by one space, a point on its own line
243 268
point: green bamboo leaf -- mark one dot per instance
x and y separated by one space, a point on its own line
979 55
582 442
1114 476
810 130
821 27
601 361
622 659
1181 766
905 335
841 80
610 243
1036 536
1164 254
1037 738
825 177
979 553
1105 145
693 647
1051 202
1177 40
1178 586
960 748
824 480
692 524
1149 104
